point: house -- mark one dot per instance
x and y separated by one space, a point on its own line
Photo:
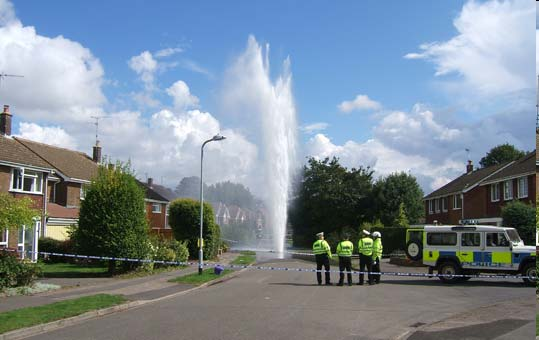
480 194
22 174
156 209
73 170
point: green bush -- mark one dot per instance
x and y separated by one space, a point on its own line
112 219
184 218
50 245
168 250
14 272
520 216
181 250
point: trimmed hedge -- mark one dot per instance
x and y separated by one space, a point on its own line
50 245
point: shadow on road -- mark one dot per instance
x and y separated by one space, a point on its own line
293 284
484 331
436 282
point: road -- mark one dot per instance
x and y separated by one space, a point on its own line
287 305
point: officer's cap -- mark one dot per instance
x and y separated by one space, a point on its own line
365 232
320 234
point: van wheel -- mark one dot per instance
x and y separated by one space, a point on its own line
530 270
449 268
414 250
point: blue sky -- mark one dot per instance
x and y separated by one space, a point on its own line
463 83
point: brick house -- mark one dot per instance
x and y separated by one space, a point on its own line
480 194
156 209
22 174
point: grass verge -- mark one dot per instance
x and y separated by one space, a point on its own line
196 279
31 316
71 270
245 258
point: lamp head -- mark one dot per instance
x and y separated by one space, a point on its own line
218 137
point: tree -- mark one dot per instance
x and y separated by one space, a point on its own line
112 220
501 154
401 220
230 194
330 198
16 212
189 187
398 189
520 216
184 219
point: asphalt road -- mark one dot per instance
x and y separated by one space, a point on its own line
288 305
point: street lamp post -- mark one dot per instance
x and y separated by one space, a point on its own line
200 240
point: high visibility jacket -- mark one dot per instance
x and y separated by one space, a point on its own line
321 247
364 246
377 248
345 248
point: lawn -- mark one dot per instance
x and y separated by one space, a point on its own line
245 258
71 270
196 279
31 316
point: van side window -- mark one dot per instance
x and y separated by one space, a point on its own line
470 239
497 240
442 239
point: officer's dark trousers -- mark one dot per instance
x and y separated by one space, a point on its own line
365 261
345 263
322 260
376 268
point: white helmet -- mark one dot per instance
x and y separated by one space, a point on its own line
376 234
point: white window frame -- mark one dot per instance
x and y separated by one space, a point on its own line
24 174
445 203
508 190
455 200
437 205
495 189
523 193
6 237
430 207
156 211
82 195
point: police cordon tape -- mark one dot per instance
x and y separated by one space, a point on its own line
271 268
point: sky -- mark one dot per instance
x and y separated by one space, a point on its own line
407 87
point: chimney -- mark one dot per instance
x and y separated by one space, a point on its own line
150 182
469 167
97 153
5 122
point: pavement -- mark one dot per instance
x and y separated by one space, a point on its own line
143 288
264 305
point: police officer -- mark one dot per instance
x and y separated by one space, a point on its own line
322 253
344 250
377 250
364 247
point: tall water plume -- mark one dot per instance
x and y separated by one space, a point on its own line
268 106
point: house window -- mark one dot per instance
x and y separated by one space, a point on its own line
4 238
457 202
82 192
444 203
495 192
26 181
156 208
508 190
437 205
523 187
430 207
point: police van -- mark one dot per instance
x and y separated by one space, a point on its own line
470 250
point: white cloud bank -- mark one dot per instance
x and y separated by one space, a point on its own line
314 127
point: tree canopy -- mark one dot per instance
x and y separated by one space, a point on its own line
112 220
520 216
501 154
398 189
16 212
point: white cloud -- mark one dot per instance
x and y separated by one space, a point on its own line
62 79
536 52
195 67
145 66
180 93
314 127
53 135
492 51
361 102
167 52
